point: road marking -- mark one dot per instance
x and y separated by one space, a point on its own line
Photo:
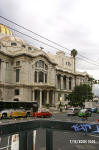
66 132
94 135
83 147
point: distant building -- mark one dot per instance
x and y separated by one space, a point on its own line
29 74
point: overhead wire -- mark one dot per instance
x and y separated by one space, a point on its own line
33 38
83 57
44 43
34 33
87 61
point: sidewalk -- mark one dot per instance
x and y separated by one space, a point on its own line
53 110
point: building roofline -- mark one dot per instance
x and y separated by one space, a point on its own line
29 55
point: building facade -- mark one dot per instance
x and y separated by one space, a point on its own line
29 74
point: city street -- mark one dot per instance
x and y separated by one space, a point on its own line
62 140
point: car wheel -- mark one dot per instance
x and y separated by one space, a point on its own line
50 116
4 116
42 116
28 114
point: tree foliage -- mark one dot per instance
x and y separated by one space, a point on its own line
80 94
74 53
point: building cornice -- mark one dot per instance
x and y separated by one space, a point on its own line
29 55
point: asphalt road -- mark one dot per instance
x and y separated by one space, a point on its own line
61 140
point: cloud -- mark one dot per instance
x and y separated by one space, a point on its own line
96 89
73 24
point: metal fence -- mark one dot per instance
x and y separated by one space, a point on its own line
25 130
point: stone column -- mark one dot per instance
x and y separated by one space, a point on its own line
47 97
56 82
77 81
66 83
40 99
73 83
44 78
33 95
53 98
37 76
3 71
61 82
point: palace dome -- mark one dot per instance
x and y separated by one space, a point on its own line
7 35
4 30
13 39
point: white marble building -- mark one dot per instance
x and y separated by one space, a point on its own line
29 74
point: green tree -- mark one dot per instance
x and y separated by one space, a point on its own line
91 80
80 94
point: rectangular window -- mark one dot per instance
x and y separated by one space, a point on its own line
23 46
17 75
7 64
70 84
45 78
17 92
41 76
29 48
46 67
59 81
35 80
17 63
64 82
13 44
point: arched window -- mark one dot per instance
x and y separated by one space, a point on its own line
39 64
40 72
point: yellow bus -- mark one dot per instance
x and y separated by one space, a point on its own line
14 109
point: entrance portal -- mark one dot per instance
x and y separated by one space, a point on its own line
44 97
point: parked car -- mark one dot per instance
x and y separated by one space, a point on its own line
93 110
84 113
42 114
73 111
97 110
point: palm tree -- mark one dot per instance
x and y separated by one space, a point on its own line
98 81
74 54
95 81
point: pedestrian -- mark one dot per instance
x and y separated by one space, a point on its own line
86 119
83 119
